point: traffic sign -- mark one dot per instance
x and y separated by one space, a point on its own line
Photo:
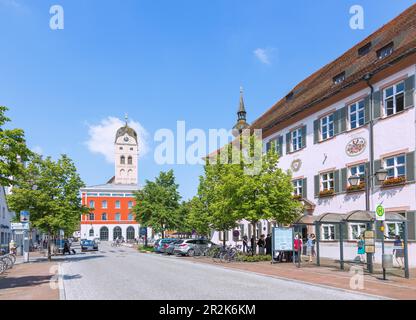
20 226
24 216
380 213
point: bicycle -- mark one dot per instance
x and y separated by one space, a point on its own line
8 260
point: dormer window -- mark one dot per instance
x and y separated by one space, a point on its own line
385 51
289 96
339 78
364 49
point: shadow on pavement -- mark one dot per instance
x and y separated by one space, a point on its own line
28 281
73 277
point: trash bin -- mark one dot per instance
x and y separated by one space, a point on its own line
387 261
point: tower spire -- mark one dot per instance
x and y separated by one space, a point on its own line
241 114
126 117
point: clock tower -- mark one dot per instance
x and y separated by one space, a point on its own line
126 155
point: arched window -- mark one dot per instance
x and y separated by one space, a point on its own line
92 204
91 232
117 233
130 173
123 160
130 233
118 216
92 217
104 216
104 234
130 160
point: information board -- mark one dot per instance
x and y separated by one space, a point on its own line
283 239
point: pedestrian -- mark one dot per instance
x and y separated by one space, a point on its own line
361 248
262 245
269 244
298 247
253 245
66 248
310 244
399 251
245 244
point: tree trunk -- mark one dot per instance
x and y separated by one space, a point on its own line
49 248
254 244
224 242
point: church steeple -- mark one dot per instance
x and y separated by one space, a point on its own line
241 114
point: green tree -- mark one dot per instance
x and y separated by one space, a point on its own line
158 202
268 194
198 219
13 151
49 190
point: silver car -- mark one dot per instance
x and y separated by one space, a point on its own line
190 247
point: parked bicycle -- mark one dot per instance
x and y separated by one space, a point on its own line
7 262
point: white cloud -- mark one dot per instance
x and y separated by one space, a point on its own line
264 55
102 137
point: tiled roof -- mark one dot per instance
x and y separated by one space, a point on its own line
320 86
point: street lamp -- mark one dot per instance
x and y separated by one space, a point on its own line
381 176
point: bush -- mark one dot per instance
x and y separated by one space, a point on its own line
143 248
245 258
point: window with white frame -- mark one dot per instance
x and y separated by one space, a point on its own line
394 99
92 204
130 217
327 181
296 136
92 217
104 204
327 127
118 216
328 232
104 216
118 204
356 230
395 166
298 187
356 113
130 204
394 229
358 170
385 51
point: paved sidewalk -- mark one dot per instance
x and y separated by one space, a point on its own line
31 281
394 288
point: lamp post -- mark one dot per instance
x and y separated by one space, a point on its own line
381 176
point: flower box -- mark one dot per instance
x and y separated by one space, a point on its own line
394 181
360 187
326 193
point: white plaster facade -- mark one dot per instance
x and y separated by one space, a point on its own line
6 217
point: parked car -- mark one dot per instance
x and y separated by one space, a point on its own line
171 248
89 245
189 246
160 245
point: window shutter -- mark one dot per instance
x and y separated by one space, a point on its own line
303 136
337 234
317 186
343 119
409 87
411 225
304 189
336 181
288 143
344 178
410 166
316 127
367 109
377 166
280 147
337 122
377 105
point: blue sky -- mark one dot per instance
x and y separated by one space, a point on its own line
162 61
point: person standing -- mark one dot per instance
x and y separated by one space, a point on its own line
269 244
298 247
253 245
361 248
262 245
245 244
310 244
399 251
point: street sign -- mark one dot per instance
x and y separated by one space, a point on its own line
20 226
380 213
283 239
143 231
369 241
24 216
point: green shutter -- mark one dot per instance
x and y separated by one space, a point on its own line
337 124
344 178
288 142
410 166
317 186
367 109
280 148
377 166
336 181
304 189
411 225
336 232
343 119
409 87
303 136
316 127
377 105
